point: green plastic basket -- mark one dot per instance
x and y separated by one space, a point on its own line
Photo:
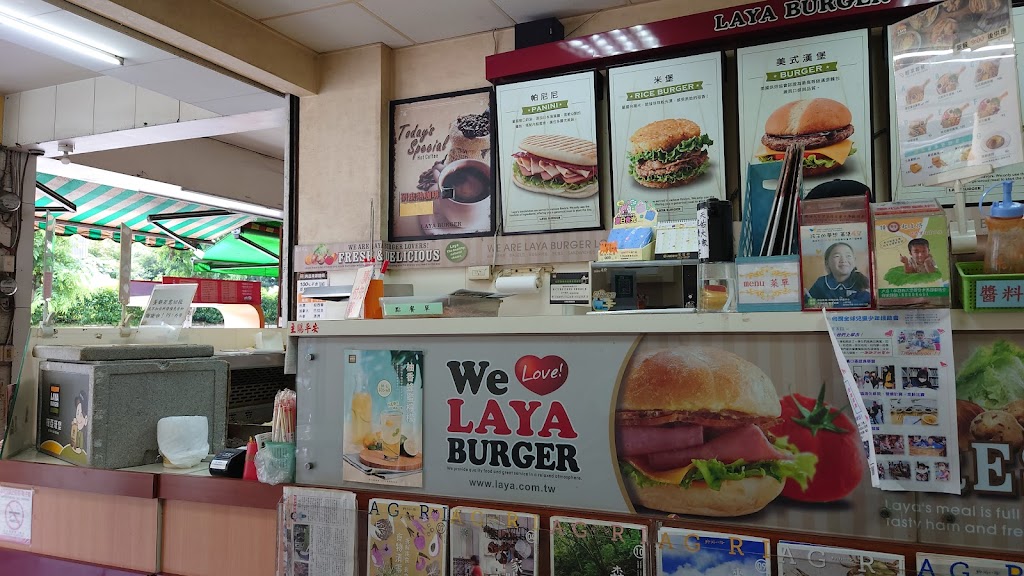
973 272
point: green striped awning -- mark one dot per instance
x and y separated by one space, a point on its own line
102 209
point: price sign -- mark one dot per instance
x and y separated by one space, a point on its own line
419 309
999 294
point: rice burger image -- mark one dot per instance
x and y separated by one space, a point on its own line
822 125
668 153
690 433
555 164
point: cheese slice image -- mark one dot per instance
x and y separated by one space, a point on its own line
839 151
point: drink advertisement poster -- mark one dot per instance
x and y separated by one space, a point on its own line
667 134
797 559
500 542
942 565
583 547
683 552
815 92
547 150
955 82
954 85
441 167
407 538
383 417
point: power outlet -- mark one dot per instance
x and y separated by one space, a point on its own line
478 273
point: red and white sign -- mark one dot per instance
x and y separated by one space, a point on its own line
17 510
221 291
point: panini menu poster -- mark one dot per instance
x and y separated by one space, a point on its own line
796 559
942 565
815 92
583 547
406 538
683 552
500 542
667 135
547 151
901 189
442 181
383 417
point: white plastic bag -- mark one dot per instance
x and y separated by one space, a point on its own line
183 440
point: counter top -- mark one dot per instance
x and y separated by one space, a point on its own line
758 322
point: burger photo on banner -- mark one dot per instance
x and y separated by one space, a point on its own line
666 118
815 92
441 167
548 152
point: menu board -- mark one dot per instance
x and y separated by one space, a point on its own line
901 189
441 167
956 100
813 91
547 150
667 135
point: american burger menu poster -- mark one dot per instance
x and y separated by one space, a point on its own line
547 134
666 126
815 92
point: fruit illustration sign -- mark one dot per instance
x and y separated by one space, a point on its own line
547 147
667 133
814 92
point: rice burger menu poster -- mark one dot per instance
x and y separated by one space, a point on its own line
666 118
548 154
442 182
815 92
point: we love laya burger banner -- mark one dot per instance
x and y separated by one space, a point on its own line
740 428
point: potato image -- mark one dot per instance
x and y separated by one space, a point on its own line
966 412
1016 409
998 426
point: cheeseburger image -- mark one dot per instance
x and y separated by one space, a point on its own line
668 153
558 165
822 125
690 433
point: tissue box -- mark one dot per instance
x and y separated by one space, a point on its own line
99 405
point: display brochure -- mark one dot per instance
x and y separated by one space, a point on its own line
941 565
911 254
683 552
383 417
500 542
310 308
902 362
318 532
798 559
667 133
547 152
584 547
956 101
406 538
835 266
973 188
813 91
442 177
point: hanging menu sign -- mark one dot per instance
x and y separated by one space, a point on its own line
814 92
956 91
547 150
666 119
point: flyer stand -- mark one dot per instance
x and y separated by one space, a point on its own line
962 234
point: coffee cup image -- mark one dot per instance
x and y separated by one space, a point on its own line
465 191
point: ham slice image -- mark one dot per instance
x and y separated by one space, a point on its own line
747 443
642 440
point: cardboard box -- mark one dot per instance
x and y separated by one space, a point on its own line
911 244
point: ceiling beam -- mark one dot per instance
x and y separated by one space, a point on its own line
221 36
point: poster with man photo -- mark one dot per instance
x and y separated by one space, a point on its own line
441 158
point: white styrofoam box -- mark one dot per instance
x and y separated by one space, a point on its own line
153 109
75 104
37 115
115 105
12 111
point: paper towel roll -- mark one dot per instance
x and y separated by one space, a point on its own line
526 284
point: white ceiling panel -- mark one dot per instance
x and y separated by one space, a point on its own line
22 69
133 51
183 80
267 142
243 104
260 9
337 27
529 10
27 8
439 19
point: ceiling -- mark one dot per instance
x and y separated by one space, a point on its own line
270 142
22 69
326 25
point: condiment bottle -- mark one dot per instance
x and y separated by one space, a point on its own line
1005 222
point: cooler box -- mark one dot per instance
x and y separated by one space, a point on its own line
99 405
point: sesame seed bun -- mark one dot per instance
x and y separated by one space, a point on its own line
663 135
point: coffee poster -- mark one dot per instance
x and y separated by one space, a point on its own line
812 92
441 154
667 135
547 150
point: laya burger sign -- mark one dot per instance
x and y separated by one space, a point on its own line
794 9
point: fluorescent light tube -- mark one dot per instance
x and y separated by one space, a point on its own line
60 39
